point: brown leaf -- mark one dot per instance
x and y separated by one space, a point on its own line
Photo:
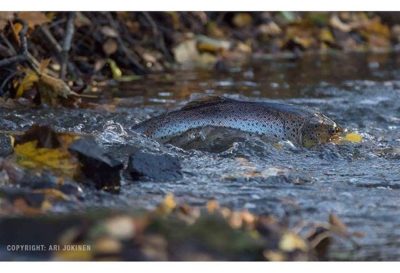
337 225
33 18
5 17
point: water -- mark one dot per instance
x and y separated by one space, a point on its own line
359 182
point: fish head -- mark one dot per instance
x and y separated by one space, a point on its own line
319 129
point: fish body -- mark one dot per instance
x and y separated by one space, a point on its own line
273 120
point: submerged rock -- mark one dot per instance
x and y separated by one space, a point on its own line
155 166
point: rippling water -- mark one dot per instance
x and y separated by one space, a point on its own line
359 182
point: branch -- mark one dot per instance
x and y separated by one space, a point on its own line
58 49
139 69
159 36
23 50
69 33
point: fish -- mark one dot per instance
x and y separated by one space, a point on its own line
276 121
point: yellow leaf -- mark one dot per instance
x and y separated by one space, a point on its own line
27 82
212 206
291 242
75 255
325 35
353 137
167 205
115 70
274 256
59 160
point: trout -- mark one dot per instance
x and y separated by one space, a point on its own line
275 121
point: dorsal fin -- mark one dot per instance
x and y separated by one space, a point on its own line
207 100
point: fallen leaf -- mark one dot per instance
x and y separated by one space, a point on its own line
107 245
33 18
212 206
337 225
74 255
274 256
115 70
5 17
167 205
120 227
291 242
325 35
58 160
27 82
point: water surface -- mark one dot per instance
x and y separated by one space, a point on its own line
360 182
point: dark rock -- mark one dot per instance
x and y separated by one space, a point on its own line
98 166
31 198
45 180
5 145
45 136
70 188
157 166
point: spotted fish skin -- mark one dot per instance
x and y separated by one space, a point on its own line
273 120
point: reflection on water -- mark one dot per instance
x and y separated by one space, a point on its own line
290 78
359 182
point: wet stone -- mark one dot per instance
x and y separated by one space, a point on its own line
5 145
70 189
156 166
31 198
96 165
44 180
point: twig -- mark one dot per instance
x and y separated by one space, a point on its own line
138 68
58 49
159 36
6 80
7 42
69 33
50 38
14 59
23 51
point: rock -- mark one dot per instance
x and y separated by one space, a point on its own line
5 145
31 198
157 166
98 166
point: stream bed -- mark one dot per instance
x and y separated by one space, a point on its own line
359 182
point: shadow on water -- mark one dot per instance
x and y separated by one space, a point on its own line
359 182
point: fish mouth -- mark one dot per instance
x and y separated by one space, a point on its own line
337 134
